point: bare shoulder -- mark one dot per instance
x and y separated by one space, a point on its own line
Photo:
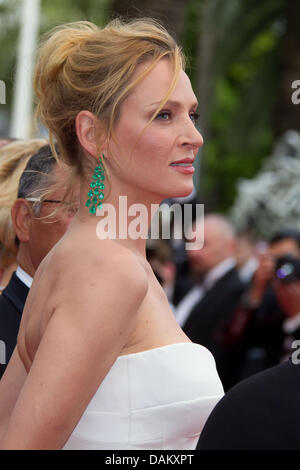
99 271
90 288
76 277
104 257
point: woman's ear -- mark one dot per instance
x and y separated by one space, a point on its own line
87 124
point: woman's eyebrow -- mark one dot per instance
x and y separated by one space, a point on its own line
174 103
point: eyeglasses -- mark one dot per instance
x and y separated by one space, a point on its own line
37 199
71 207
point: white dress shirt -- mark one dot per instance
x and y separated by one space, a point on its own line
291 324
24 277
246 272
194 296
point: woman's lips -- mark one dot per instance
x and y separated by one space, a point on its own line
186 168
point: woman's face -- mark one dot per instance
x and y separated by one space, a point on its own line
146 156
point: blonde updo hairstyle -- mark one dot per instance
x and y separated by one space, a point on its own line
83 67
13 160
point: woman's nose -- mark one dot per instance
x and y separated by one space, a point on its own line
192 137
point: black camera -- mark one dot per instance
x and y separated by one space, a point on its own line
287 268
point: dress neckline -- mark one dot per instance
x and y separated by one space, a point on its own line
159 348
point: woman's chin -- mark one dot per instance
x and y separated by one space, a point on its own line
183 192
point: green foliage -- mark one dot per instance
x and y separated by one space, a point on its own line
53 13
190 38
244 80
246 72
9 23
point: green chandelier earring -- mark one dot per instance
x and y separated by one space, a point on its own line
95 193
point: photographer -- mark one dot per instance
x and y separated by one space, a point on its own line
287 292
266 322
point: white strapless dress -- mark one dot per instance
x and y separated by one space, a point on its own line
154 399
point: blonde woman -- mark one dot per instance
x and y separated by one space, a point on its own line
13 159
101 362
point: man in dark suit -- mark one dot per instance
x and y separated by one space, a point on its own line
37 229
12 302
259 413
208 305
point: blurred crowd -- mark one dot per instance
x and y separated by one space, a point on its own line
237 295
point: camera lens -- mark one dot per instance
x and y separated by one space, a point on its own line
284 270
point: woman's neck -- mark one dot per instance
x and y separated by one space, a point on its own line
124 217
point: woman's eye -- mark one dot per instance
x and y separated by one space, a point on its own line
164 116
194 116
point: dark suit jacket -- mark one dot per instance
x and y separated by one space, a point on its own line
205 322
259 413
12 302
